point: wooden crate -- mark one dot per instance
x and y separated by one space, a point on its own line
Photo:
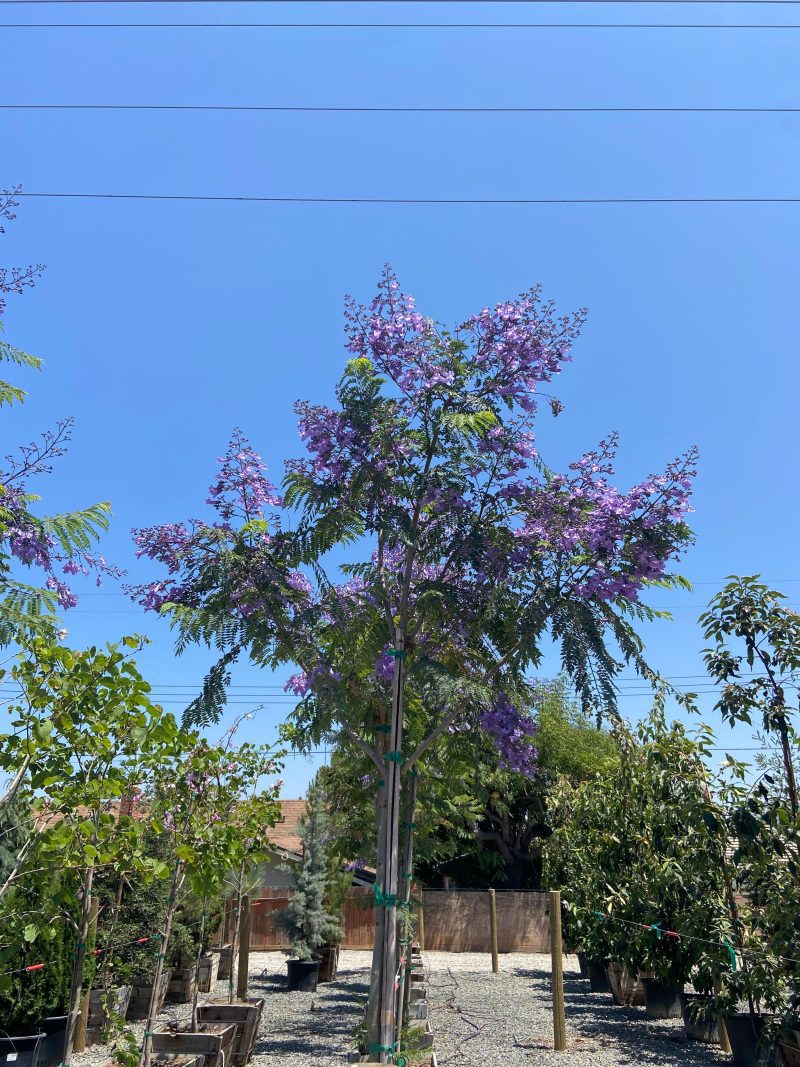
212 1040
140 998
181 988
245 1016
225 961
209 970
118 1000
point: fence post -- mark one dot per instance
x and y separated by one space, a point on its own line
83 1018
557 974
244 949
493 928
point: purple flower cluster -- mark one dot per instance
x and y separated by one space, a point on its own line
512 731
242 489
318 678
383 671
621 539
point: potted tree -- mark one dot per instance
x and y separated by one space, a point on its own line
214 829
307 920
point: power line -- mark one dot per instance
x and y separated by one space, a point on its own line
443 110
399 26
758 3
420 200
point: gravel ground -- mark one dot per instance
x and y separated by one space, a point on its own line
479 1019
506 1019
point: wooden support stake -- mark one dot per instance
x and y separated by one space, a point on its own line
83 1018
493 927
557 974
421 926
244 948
722 1030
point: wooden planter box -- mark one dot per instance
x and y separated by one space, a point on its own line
626 989
418 1009
416 993
211 1040
423 1034
181 988
225 962
209 970
164 1061
140 998
118 998
246 1017
328 964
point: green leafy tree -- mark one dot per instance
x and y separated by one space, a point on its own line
87 734
205 806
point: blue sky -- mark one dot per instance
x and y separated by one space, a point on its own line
164 324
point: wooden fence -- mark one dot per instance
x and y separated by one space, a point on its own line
455 921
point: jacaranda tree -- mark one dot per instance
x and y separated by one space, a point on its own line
55 546
471 550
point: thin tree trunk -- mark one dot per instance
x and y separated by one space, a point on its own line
404 991
196 990
26 850
373 1002
152 1009
235 928
16 782
391 863
788 765
78 965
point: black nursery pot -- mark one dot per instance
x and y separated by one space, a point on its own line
697 1028
743 1033
54 1042
583 963
302 975
661 1001
598 978
20 1051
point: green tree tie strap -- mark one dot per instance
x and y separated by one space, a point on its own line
730 949
656 927
394 757
406 875
398 653
391 1049
384 900
381 728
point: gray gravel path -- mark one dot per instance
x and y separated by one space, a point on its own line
479 1019
506 1019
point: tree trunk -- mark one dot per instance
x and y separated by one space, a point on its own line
373 1002
152 1010
403 993
391 858
235 927
78 965
198 957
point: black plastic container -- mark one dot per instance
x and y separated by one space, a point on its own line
744 1032
301 976
661 1001
583 963
698 1028
20 1051
54 1042
598 978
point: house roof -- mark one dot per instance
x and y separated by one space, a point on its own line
285 834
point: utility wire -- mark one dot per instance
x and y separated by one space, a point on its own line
399 26
420 200
758 3
443 110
